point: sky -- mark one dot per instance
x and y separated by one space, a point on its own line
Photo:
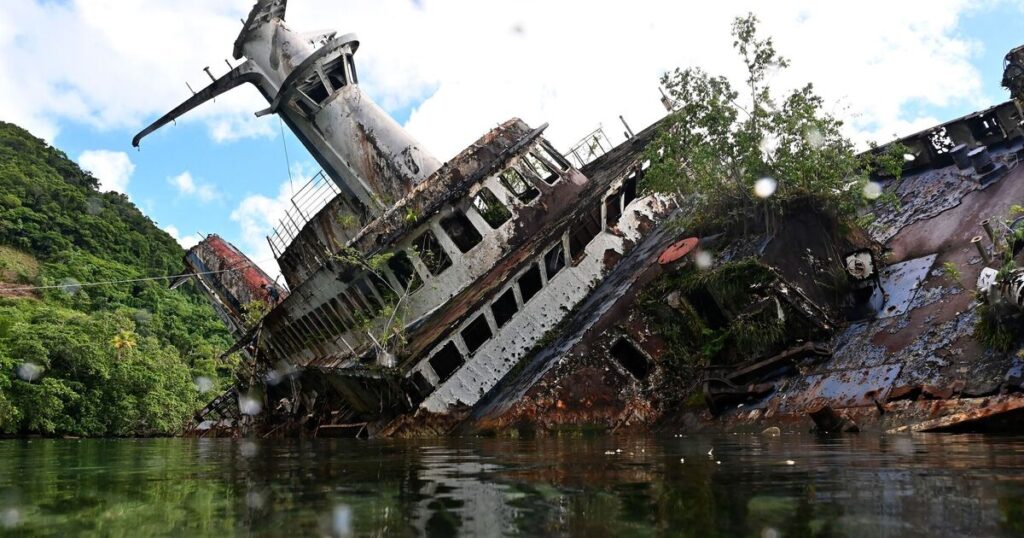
86 75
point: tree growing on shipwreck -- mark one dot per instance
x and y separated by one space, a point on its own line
777 195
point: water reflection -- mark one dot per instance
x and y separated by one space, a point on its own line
605 486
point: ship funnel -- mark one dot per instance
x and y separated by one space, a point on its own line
311 83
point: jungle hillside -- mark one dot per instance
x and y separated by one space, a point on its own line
80 359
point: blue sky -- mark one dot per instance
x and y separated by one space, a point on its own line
449 70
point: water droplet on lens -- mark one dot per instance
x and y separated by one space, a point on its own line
255 499
769 532
814 137
342 520
765 187
249 404
204 384
70 286
872 190
248 449
10 517
29 371
703 260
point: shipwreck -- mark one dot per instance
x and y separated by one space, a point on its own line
516 287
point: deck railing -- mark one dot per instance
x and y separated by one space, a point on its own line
304 205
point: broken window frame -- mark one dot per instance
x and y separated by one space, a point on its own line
528 194
492 211
468 239
436 260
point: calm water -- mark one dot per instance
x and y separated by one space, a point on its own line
750 486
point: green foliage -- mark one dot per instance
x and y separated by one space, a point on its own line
951 271
720 141
116 359
253 312
998 334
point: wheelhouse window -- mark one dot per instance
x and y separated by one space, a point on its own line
461 231
514 181
430 251
490 208
539 169
547 153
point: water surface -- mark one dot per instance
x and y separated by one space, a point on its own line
796 485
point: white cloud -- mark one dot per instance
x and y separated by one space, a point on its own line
188 186
257 215
114 169
187 241
885 66
573 63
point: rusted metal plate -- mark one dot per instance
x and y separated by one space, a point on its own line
846 388
973 416
678 250
899 285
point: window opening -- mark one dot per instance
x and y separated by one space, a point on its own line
490 208
364 286
461 231
554 260
430 251
553 157
629 189
530 283
446 361
504 308
540 169
404 271
583 232
421 386
517 185
476 334
613 209
631 358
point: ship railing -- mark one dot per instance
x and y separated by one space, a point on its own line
589 148
303 206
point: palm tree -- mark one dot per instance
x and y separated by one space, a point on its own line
123 341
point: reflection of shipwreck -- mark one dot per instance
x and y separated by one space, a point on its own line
411 284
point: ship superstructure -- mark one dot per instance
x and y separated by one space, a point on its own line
411 284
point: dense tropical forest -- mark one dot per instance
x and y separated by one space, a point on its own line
83 360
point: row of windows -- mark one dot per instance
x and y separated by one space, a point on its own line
449 358
363 299
503 309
